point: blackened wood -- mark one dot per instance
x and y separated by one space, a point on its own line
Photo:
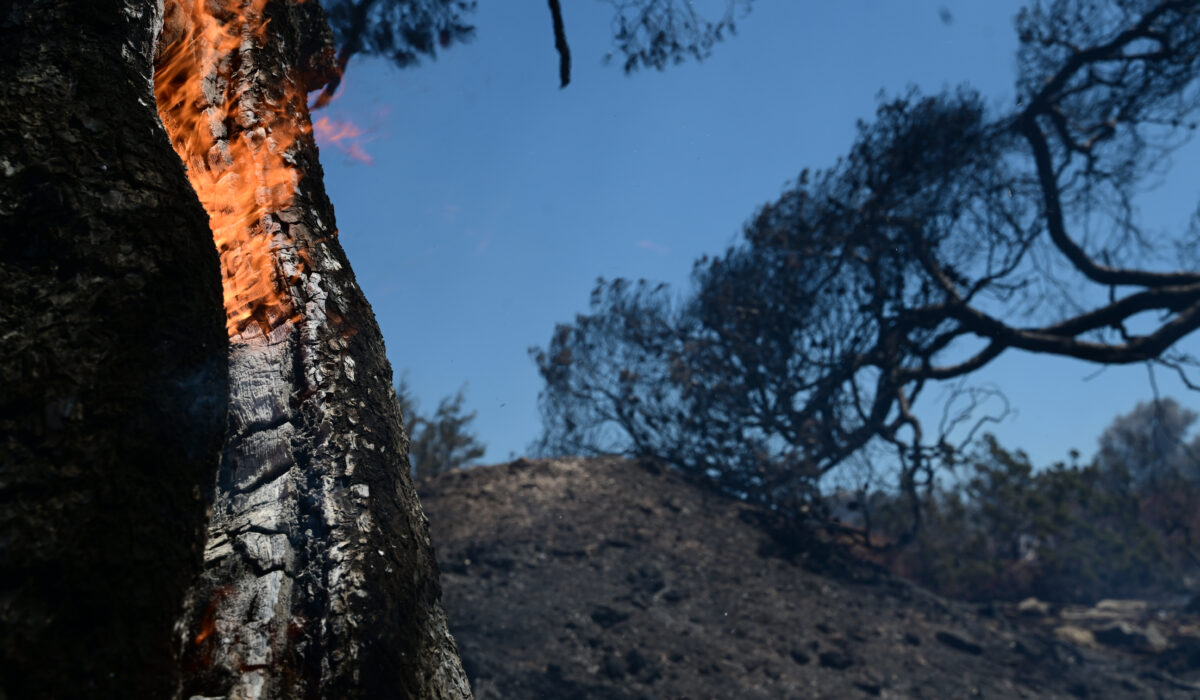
112 358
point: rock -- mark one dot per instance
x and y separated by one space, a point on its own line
835 659
1032 607
674 595
648 579
960 643
1075 635
1147 640
635 661
607 617
1083 616
1131 608
612 667
870 687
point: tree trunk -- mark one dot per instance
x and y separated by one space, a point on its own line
319 579
113 377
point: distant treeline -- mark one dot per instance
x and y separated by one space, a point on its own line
1125 524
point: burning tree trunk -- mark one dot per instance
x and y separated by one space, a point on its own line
319 579
112 358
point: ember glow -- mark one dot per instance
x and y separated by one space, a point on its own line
233 136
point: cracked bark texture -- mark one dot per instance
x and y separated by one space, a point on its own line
319 579
112 358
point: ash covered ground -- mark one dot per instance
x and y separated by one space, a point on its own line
606 578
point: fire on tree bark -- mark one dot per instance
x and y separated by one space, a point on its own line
112 358
319 579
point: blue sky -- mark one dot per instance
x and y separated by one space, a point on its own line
495 199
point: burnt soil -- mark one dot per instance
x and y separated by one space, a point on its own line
605 578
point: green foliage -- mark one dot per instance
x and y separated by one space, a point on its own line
442 442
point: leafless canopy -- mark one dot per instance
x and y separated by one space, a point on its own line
947 235
659 33
400 30
648 33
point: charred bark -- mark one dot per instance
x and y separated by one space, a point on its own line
319 579
112 358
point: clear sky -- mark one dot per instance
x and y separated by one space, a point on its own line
494 199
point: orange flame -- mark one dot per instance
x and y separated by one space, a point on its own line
208 625
345 136
233 137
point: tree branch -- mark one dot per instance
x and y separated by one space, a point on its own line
1056 226
560 44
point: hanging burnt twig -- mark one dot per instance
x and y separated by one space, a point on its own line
560 44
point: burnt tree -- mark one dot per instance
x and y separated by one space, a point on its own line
112 360
317 579
948 235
